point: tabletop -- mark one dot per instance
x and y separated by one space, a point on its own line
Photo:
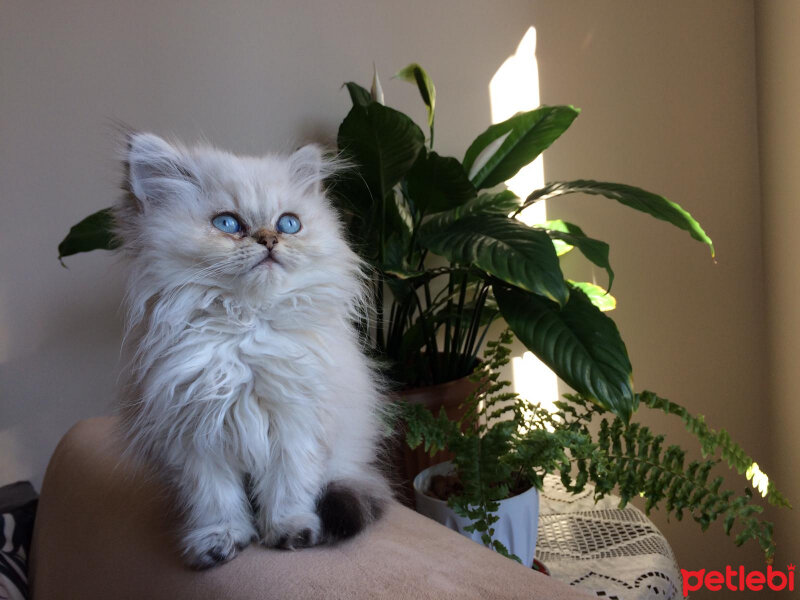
614 553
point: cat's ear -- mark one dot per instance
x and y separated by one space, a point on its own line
157 171
310 167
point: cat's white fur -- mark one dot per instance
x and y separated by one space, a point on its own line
239 367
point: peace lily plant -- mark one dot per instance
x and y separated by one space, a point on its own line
408 203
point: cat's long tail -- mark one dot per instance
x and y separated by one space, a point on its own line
346 507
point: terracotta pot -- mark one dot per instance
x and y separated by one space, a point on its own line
406 463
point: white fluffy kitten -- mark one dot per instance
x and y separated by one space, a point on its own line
247 389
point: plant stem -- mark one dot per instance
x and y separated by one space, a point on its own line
457 334
448 311
474 354
470 351
429 335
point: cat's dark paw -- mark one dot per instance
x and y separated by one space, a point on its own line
345 511
293 533
210 546
297 540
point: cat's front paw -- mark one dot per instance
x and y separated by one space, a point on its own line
215 544
294 532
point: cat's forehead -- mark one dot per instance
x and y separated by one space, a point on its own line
230 169
254 183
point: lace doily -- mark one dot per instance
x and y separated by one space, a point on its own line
614 553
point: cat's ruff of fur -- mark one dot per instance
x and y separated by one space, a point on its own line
244 362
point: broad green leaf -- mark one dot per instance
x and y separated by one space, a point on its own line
92 233
561 247
397 242
597 295
524 137
594 250
413 73
652 204
437 183
394 257
403 212
358 95
500 203
578 342
383 142
503 247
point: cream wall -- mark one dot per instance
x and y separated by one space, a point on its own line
778 51
669 103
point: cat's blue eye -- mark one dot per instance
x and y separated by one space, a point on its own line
288 223
226 223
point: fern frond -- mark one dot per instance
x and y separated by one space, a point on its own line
712 441
632 461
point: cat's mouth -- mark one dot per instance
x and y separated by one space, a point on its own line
267 261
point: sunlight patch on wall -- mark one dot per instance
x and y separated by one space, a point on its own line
535 381
515 88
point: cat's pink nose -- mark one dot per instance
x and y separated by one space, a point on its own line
266 237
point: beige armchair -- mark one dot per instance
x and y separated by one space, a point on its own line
103 533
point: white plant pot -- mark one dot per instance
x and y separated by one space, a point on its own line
516 527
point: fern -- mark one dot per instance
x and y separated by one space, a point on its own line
711 441
632 461
504 442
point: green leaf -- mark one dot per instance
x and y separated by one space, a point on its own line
562 248
437 183
95 232
503 247
384 144
358 94
396 243
652 204
596 294
572 235
394 257
413 73
524 137
578 342
500 203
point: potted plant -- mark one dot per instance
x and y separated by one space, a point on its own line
406 204
504 445
450 257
